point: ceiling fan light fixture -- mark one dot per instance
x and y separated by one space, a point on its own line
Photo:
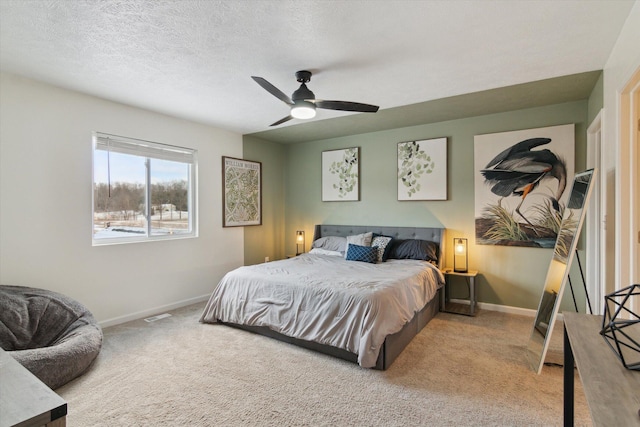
303 102
303 110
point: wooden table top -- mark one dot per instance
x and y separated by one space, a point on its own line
612 391
24 399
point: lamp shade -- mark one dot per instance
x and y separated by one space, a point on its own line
303 110
299 242
460 255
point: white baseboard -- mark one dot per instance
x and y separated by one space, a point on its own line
501 308
152 311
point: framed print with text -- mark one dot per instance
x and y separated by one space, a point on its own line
242 192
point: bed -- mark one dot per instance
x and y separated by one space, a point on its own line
364 312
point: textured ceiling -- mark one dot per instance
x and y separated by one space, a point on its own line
193 59
526 95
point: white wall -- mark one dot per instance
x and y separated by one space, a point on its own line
45 205
622 63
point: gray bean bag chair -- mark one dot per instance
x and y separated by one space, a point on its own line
52 335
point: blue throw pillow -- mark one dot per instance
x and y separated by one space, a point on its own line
362 253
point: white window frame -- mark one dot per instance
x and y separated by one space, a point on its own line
147 150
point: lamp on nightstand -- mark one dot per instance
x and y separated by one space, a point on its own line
299 242
460 255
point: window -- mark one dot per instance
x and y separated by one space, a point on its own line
142 190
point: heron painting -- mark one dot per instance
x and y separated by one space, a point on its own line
520 183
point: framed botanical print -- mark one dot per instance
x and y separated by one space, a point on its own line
341 175
422 170
242 192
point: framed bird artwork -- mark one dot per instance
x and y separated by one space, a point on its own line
521 185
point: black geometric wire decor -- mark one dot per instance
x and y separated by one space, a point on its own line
622 334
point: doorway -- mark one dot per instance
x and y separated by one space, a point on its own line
628 205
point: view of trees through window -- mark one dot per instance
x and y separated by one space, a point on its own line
121 206
125 207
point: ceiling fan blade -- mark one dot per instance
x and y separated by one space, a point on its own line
272 90
345 106
279 122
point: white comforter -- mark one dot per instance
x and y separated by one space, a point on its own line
346 304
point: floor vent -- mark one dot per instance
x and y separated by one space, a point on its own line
158 317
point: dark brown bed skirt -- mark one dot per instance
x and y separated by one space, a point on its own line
391 348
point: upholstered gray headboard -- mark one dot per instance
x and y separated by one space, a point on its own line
422 233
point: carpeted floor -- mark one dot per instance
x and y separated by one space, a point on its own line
459 371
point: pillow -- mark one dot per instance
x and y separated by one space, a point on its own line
331 243
363 239
362 253
414 249
383 245
319 251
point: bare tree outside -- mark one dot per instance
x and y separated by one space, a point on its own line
123 205
141 189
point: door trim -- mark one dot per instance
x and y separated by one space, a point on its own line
627 188
595 227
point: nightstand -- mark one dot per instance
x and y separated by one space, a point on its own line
457 308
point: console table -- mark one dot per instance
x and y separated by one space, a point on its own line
25 400
612 391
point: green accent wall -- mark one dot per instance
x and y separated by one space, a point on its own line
511 276
267 240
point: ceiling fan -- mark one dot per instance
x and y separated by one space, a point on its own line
304 103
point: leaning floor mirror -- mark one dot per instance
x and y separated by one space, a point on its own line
566 242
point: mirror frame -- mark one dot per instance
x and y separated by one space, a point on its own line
559 268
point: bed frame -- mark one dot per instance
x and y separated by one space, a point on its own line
393 344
